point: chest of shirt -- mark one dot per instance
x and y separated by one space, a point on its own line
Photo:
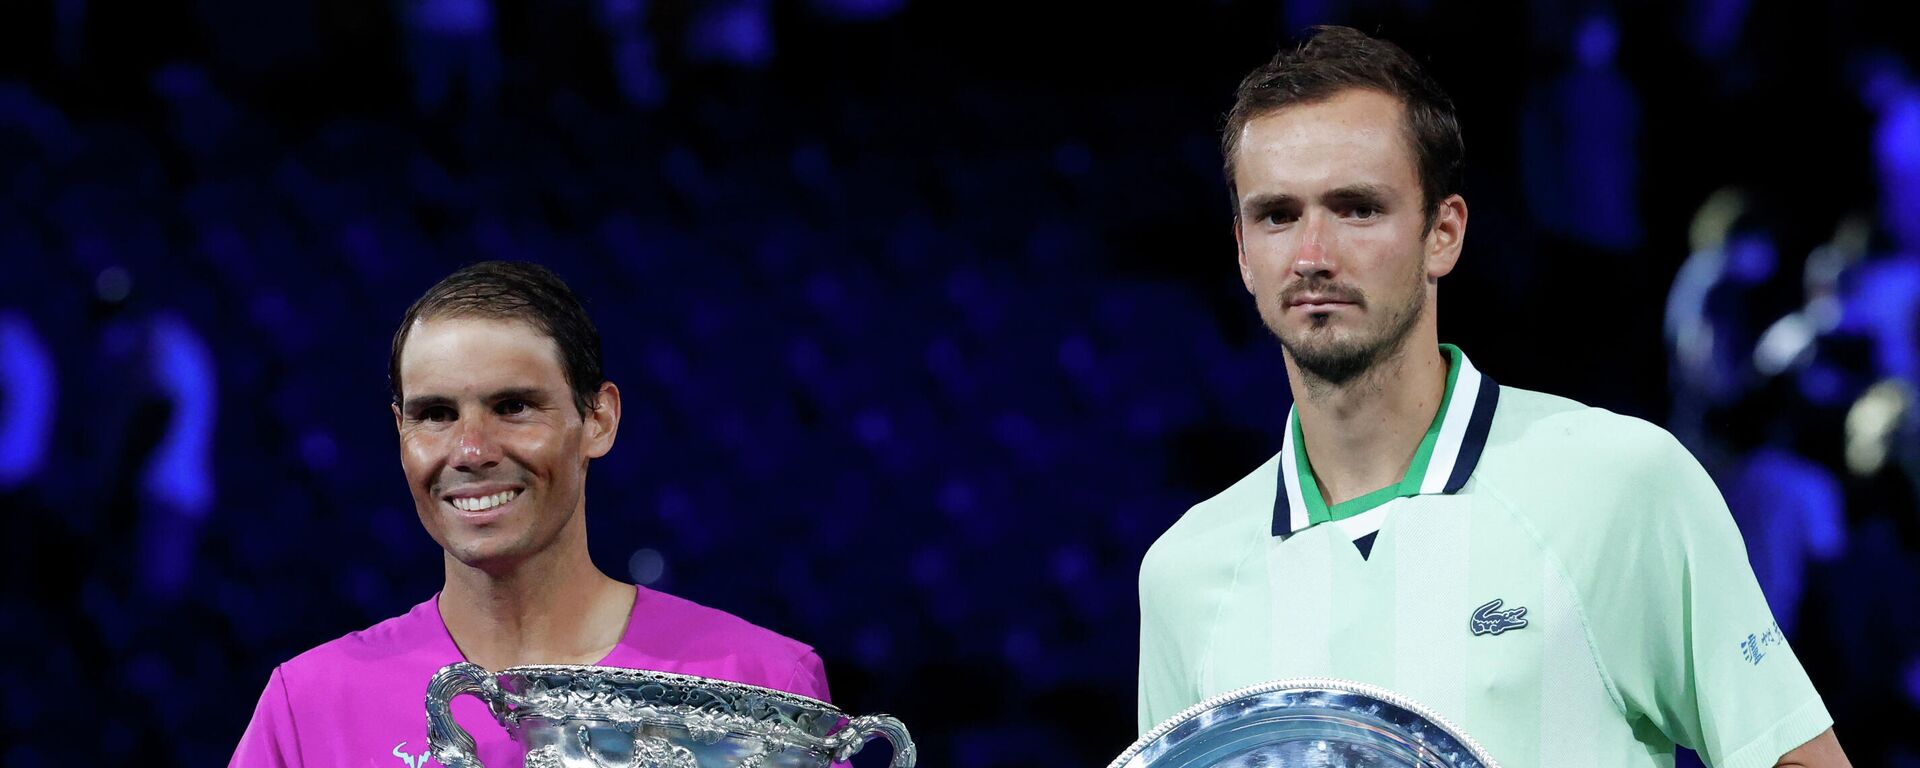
1454 604
385 726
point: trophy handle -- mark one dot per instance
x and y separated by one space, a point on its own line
860 730
451 744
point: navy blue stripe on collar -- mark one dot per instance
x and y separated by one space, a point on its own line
1475 441
1281 526
1462 443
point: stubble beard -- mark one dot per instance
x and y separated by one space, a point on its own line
1333 363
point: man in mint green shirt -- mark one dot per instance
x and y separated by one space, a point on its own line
1563 583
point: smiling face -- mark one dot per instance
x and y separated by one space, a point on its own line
494 449
1333 235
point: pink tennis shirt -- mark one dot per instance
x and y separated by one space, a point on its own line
360 700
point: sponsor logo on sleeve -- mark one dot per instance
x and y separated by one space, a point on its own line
1754 648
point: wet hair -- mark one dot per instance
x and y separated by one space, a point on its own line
512 290
1337 59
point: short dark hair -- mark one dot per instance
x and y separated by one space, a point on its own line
1335 59
512 290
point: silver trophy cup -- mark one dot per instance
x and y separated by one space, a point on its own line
1306 723
602 717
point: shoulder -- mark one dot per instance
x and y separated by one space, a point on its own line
1525 417
674 634
1541 443
1595 485
414 641
696 623
1228 522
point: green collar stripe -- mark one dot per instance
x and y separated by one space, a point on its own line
1308 488
1423 456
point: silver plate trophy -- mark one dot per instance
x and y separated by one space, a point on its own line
1305 723
603 717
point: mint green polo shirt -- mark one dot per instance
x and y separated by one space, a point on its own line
1563 583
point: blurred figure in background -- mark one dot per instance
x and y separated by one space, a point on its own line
1580 137
452 53
1715 311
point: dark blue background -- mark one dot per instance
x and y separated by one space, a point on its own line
925 313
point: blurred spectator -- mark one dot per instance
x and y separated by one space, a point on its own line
1580 145
1714 27
27 401
452 53
1714 316
633 51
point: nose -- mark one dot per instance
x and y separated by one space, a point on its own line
476 449
1310 255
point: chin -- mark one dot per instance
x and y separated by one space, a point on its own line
486 552
494 563
1324 342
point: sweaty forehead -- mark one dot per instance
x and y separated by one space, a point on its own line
1353 137
451 356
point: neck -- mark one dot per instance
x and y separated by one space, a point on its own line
552 608
1361 434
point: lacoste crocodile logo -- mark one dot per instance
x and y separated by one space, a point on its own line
1490 620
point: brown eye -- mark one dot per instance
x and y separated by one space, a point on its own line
510 407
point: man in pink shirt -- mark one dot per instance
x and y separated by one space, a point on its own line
500 406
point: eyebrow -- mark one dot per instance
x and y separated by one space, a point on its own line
1266 201
1364 192
423 402
1356 193
517 393
417 404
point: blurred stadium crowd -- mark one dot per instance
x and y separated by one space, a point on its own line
926 320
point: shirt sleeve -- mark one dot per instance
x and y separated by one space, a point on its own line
810 678
270 739
1166 683
1682 629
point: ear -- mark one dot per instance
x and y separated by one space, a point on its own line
396 416
603 421
1240 245
1448 235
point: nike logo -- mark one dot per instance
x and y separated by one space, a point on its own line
1490 620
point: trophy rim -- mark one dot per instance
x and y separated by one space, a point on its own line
1304 684
655 675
